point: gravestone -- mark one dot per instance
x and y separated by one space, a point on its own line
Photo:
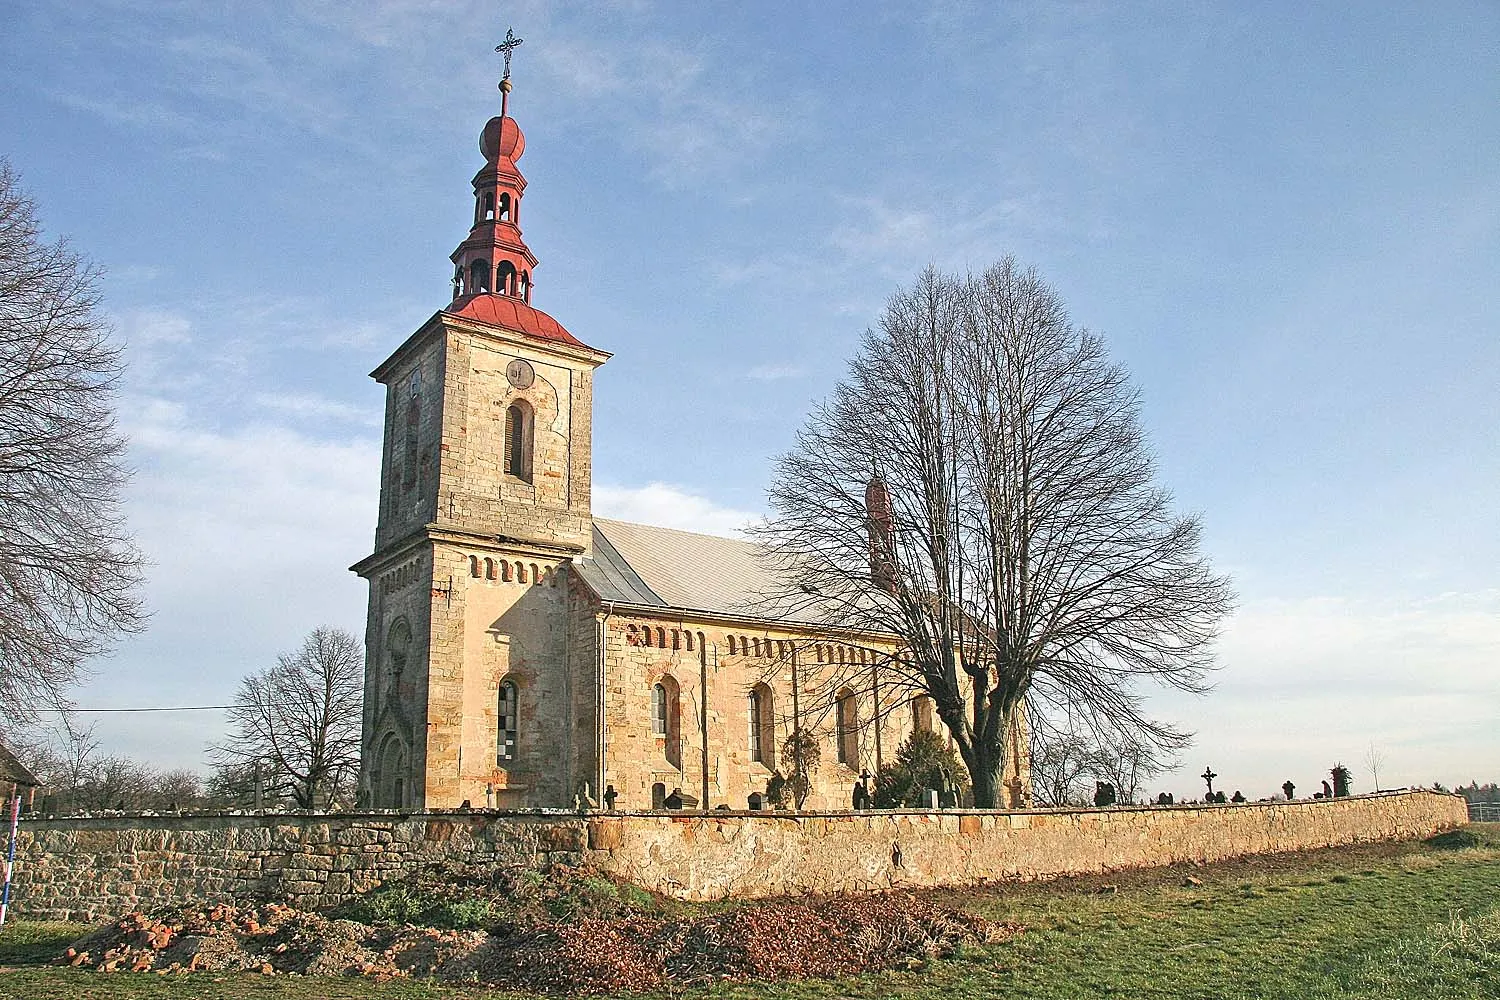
681 800
861 798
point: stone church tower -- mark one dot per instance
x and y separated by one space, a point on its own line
484 499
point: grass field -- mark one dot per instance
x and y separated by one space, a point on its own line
1397 921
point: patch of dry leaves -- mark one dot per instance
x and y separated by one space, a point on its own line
774 939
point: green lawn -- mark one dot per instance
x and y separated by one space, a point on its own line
1387 922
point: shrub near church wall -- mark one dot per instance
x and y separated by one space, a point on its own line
87 868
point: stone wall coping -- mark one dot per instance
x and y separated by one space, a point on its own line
555 815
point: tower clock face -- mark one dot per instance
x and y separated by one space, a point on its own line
519 373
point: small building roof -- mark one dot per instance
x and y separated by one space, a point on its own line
13 771
662 567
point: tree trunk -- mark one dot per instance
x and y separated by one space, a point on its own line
984 771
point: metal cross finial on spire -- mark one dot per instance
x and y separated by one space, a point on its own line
508 46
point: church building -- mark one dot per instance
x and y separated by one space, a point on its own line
521 652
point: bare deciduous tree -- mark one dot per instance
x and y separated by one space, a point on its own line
69 575
1127 764
301 719
1058 769
77 777
1375 760
979 487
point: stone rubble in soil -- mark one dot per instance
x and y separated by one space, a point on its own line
774 939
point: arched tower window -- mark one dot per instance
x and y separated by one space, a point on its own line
505 278
488 211
847 729
518 437
526 286
504 207
665 721
659 710
479 276
762 726
505 737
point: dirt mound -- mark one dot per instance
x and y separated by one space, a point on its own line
795 939
1455 840
777 939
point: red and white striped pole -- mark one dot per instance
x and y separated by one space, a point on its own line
10 854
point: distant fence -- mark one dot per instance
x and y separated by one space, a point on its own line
1484 812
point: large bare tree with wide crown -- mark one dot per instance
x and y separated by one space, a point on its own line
70 576
978 487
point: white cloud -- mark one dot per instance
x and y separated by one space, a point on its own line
136 114
149 327
682 107
956 230
306 406
253 78
772 373
249 532
670 507
1309 683
133 274
884 230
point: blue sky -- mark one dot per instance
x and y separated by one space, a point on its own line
1284 219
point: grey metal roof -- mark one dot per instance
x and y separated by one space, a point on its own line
664 567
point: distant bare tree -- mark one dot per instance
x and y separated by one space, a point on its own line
979 487
77 777
69 575
1058 769
176 788
246 784
1127 764
113 783
301 719
1375 760
62 759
